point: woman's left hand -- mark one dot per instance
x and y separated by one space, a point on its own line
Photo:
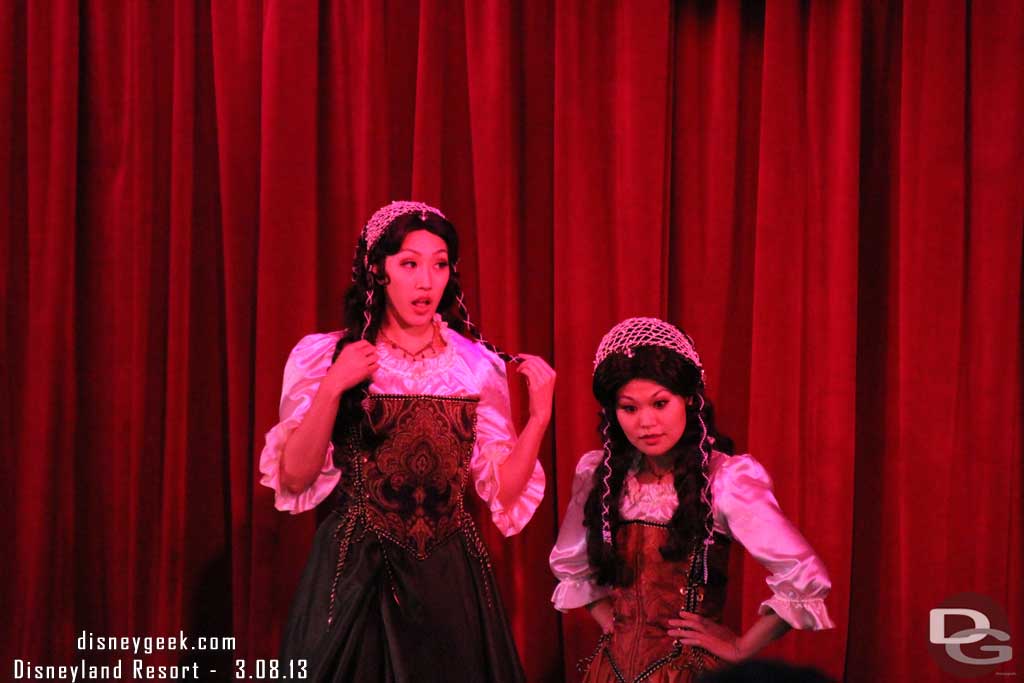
693 629
540 381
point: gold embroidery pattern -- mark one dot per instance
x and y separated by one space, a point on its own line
409 489
414 483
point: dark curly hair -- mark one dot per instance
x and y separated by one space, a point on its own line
687 526
368 276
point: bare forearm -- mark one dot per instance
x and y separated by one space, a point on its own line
700 631
765 630
304 451
602 612
517 469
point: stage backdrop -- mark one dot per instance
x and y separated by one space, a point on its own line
828 196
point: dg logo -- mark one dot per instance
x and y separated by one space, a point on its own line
969 635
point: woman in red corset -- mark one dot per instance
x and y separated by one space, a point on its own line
387 422
645 540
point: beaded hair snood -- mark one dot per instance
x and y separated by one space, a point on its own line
383 217
625 338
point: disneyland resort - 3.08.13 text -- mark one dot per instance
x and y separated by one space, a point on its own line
136 666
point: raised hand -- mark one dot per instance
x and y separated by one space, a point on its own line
356 363
540 382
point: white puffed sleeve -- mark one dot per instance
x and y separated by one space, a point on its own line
746 508
307 364
495 439
568 559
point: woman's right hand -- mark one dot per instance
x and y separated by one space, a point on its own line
355 364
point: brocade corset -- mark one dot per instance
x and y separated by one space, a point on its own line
406 482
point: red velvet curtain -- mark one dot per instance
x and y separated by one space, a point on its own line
829 196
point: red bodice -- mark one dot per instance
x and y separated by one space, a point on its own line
639 649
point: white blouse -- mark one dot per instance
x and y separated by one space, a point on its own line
463 368
743 507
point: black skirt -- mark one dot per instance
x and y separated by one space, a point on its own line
396 618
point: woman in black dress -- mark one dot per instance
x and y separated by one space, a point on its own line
388 421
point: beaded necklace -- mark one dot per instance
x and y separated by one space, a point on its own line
430 350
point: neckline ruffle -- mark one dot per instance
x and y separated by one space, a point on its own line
655 502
